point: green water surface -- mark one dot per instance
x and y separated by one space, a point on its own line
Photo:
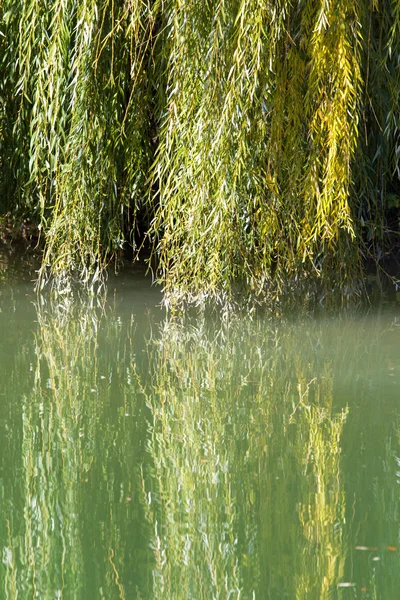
142 458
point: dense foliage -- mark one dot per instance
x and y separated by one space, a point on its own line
254 144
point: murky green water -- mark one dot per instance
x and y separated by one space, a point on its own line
145 460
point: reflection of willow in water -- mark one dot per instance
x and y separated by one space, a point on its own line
225 410
322 509
72 536
207 464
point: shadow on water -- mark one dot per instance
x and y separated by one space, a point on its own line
144 458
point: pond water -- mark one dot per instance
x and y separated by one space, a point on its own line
146 459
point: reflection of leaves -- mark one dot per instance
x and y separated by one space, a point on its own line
16 266
225 407
227 475
78 460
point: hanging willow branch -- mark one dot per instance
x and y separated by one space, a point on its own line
260 138
80 136
257 141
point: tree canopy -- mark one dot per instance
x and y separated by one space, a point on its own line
254 144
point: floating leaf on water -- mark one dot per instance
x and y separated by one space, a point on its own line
375 548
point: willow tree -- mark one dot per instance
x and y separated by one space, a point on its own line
76 87
255 144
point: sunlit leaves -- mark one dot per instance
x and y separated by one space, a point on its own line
254 165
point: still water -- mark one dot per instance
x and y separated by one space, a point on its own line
146 459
